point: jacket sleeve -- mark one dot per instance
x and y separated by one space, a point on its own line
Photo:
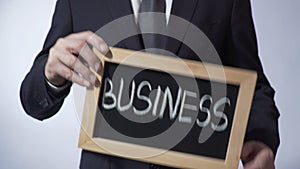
36 100
263 120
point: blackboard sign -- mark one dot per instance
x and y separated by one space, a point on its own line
169 111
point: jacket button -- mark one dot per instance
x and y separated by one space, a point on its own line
44 103
153 166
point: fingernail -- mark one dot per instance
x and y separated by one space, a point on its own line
93 78
86 83
103 48
97 83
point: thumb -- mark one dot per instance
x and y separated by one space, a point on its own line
247 152
257 155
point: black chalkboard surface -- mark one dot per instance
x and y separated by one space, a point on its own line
151 109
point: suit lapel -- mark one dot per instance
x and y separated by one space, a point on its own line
121 8
182 9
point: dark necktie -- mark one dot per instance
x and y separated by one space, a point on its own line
152 23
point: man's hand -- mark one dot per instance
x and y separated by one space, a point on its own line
71 57
257 155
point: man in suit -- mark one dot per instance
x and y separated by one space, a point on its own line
228 25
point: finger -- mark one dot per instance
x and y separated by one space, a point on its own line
79 46
58 57
250 165
83 71
70 75
92 39
74 63
247 152
250 149
261 161
99 44
90 57
50 73
265 159
73 46
67 59
261 156
85 35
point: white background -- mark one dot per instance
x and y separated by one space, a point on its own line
52 144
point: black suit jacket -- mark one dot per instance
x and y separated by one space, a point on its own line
228 25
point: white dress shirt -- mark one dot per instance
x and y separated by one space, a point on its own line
136 5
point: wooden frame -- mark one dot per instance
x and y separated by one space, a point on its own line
245 79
